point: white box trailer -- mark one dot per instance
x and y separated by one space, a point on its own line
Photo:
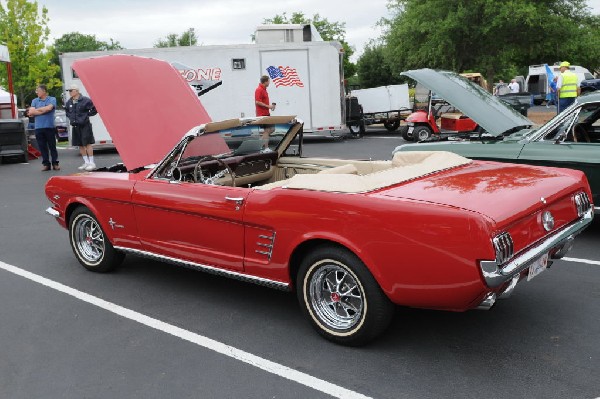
312 86
537 83
384 104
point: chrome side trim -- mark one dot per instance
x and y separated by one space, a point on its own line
496 274
53 212
597 210
268 247
209 269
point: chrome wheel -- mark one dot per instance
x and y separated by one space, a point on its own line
340 297
88 239
335 295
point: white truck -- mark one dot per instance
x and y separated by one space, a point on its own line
537 83
306 77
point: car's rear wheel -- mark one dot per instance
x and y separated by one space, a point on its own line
341 298
89 243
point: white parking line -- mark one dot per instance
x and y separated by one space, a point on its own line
589 262
219 347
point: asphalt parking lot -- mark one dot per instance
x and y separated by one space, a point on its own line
153 330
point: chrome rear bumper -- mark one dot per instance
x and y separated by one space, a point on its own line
557 244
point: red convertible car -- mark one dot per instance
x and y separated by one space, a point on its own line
351 238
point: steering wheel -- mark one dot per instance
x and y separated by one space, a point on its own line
204 176
580 130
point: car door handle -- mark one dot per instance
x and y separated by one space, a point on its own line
238 201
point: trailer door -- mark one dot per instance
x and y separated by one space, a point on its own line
290 82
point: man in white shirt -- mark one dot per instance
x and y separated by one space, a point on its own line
513 86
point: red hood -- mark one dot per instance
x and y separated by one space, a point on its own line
497 190
145 104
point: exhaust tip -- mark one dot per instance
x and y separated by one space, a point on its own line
488 302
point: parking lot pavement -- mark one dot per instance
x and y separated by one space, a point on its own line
542 342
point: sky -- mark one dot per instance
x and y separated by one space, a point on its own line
140 23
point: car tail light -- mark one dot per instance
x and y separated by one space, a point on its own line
503 245
582 203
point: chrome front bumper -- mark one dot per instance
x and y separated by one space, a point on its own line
557 244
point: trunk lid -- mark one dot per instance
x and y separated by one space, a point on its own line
503 192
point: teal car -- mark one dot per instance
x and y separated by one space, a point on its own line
569 140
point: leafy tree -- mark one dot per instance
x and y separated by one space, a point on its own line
373 68
187 38
329 31
488 36
75 42
25 30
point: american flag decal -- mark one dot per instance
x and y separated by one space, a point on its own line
284 76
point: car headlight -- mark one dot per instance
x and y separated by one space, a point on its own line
503 246
582 203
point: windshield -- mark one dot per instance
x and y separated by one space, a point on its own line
242 140
580 125
228 144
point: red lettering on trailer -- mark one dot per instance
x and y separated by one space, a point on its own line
196 74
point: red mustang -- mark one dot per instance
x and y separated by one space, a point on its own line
352 238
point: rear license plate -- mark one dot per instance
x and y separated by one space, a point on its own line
537 267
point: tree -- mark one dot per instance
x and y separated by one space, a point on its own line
329 31
488 36
373 68
75 42
187 38
25 30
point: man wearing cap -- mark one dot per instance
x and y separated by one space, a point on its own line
79 109
566 87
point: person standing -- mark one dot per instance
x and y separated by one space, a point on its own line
42 109
551 95
261 100
79 109
498 87
566 87
514 86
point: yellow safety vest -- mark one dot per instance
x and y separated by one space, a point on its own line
569 85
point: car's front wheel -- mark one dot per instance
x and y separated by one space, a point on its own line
341 298
90 245
421 133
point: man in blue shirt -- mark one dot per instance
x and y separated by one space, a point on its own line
42 108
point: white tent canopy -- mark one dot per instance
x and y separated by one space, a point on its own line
5 97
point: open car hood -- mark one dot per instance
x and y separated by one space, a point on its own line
487 110
145 104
